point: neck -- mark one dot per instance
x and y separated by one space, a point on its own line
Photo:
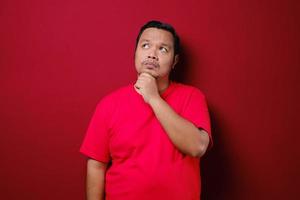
163 85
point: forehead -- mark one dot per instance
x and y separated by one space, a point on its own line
157 35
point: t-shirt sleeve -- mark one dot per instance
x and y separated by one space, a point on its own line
96 142
196 111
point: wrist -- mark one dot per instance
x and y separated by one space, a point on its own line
155 101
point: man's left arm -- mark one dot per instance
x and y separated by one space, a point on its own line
188 138
184 134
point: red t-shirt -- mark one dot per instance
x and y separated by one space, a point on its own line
145 163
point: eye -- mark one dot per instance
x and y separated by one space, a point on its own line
145 46
163 49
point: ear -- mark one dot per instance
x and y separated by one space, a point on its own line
176 59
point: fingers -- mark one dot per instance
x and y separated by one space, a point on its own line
150 72
146 86
146 75
137 89
143 80
139 83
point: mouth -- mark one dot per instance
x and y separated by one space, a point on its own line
150 65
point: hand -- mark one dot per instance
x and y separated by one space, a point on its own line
146 86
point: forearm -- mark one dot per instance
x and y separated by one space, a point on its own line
184 134
95 180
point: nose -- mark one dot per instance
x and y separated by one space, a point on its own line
152 55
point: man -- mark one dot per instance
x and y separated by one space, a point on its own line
145 140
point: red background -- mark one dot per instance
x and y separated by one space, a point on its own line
58 58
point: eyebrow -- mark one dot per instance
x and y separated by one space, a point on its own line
166 45
163 44
144 40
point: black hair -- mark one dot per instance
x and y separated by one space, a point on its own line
164 26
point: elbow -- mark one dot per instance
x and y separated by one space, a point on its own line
198 151
201 145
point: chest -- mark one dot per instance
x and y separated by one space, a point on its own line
136 133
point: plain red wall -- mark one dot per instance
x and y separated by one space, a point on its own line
58 58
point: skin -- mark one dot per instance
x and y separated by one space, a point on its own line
95 180
155 56
154 59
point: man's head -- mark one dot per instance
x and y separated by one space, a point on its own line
162 26
157 49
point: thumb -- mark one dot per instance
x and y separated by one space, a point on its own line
137 90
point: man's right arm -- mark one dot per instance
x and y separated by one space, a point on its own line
95 179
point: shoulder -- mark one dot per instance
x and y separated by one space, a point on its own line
188 90
112 98
118 93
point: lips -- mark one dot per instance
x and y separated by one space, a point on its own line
150 64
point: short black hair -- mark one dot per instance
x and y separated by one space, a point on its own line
164 26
